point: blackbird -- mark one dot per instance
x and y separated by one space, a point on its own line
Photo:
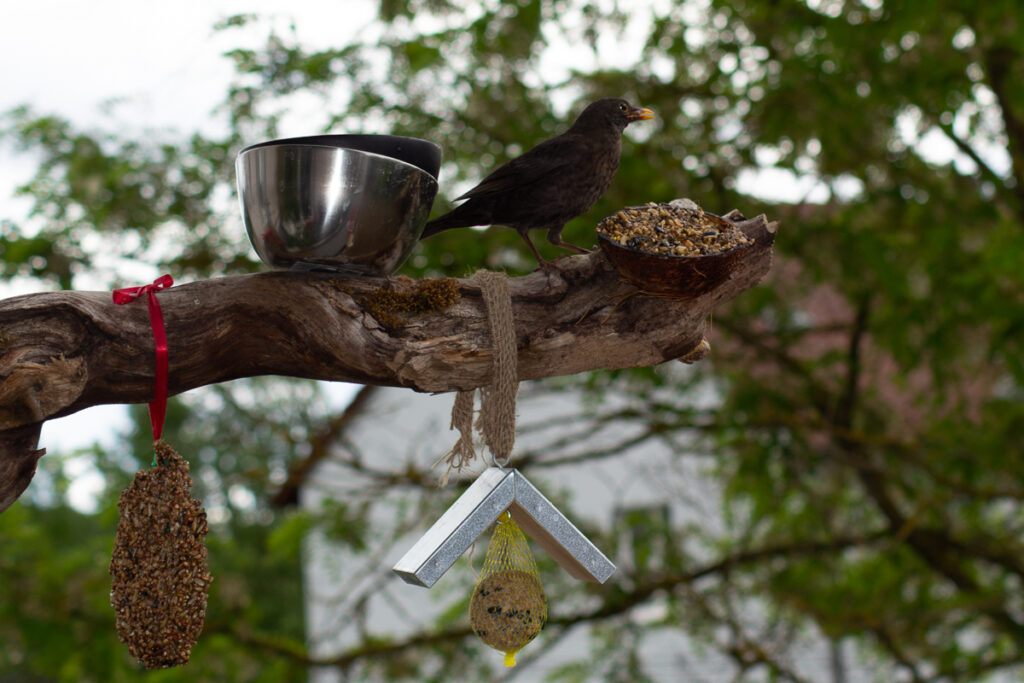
552 183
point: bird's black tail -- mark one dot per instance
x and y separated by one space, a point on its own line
462 216
438 225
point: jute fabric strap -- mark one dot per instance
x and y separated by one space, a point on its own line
497 419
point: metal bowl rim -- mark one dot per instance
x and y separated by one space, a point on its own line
250 150
290 141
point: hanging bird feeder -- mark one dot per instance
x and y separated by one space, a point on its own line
508 607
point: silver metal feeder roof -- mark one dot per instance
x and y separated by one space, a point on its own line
495 491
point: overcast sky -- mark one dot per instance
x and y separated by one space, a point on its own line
161 61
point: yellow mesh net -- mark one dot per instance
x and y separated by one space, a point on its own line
508 608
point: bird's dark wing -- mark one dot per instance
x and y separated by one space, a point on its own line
546 159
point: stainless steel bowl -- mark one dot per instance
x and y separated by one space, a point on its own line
314 206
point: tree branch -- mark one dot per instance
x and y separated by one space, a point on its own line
998 63
937 547
61 352
320 447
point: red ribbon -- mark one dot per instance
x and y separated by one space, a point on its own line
158 406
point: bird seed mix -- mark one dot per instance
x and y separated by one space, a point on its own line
158 566
671 231
508 609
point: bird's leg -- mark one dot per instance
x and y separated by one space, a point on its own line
555 237
540 259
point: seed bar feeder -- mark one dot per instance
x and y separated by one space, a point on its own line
494 492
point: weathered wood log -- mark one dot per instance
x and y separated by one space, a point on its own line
61 352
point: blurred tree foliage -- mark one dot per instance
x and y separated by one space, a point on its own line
870 430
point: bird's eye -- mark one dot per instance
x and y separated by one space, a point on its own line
622 106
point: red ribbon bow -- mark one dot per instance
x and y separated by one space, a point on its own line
158 406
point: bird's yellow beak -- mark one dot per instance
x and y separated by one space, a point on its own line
640 114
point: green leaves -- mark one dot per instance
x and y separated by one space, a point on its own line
860 410
90 186
420 55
